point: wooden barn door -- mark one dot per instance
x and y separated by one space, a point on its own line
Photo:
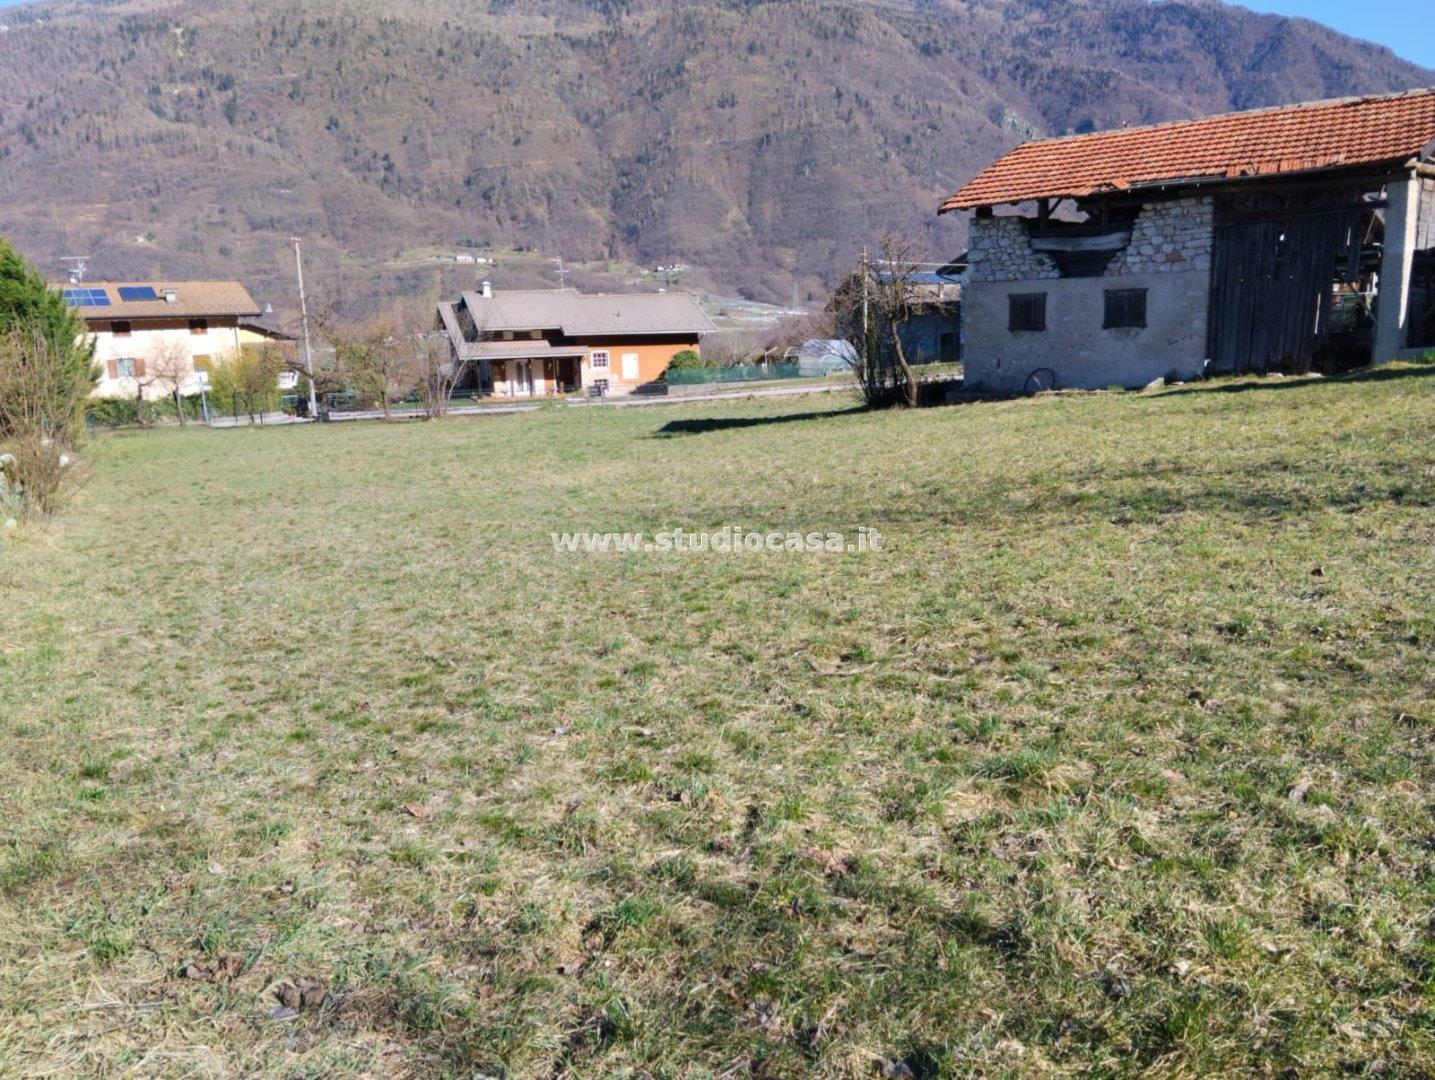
1272 273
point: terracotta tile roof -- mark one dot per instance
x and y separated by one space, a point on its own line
1263 142
192 299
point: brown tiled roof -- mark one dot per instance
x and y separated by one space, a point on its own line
587 314
269 330
518 350
1263 142
193 299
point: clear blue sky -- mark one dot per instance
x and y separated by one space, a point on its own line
1407 26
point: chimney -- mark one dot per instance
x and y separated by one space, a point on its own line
485 289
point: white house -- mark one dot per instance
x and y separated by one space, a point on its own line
138 325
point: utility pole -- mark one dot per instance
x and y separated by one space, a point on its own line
304 317
562 273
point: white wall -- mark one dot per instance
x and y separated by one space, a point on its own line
217 343
1074 345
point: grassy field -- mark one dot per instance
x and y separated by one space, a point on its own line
1116 762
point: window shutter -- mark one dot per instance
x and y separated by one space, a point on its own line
1026 311
1125 308
139 367
113 367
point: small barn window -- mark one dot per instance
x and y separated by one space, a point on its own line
1026 311
1125 307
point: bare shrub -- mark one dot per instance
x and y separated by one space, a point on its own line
41 400
869 309
795 330
378 362
438 373
730 347
246 381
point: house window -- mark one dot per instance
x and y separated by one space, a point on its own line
125 367
601 386
199 326
1026 311
201 363
1125 307
599 358
120 328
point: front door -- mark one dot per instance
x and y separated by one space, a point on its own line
630 367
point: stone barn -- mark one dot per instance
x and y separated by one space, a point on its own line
1284 239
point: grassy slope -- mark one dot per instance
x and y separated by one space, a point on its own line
1013 797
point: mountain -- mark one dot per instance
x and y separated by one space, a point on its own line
758 141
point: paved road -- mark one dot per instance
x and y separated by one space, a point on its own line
638 401
614 402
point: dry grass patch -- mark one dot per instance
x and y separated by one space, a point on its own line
1117 761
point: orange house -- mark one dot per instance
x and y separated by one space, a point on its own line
538 342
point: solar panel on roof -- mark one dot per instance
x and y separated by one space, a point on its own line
86 297
138 292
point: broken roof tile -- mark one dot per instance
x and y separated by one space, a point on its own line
1262 142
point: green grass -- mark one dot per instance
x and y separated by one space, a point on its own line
1117 761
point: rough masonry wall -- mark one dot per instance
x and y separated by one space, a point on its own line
1169 237
998 251
1169 256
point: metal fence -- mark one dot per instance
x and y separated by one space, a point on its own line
734 373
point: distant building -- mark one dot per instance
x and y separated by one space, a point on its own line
535 342
1272 240
130 321
823 356
933 333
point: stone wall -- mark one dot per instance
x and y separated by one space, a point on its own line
1168 237
1169 256
998 250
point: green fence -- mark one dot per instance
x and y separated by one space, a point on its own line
736 373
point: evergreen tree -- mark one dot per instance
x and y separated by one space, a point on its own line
27 302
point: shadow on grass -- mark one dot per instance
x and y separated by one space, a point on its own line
703 425
1241 383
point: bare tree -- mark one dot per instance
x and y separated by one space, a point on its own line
375 359
438 373
870 308
729 347
168 366
41 400
142 379
792 332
